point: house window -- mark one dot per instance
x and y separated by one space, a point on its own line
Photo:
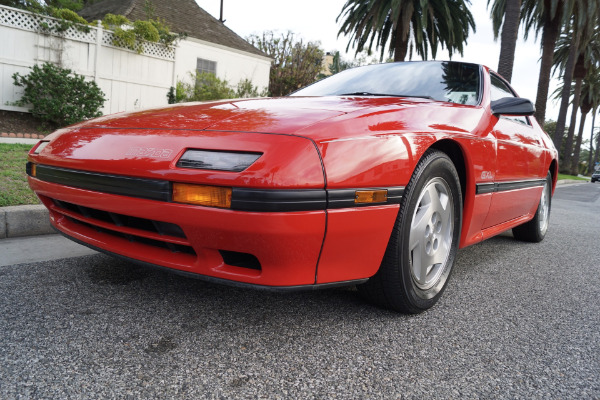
206 66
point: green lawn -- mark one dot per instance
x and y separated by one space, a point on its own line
14 189
564 176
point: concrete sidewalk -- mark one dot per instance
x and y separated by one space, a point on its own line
25 250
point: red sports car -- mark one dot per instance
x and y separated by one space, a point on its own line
374 176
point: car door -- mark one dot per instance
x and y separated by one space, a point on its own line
519 165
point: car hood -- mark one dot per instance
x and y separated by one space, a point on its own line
285 115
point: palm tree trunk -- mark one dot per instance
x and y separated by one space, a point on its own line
551 32
591 155
401 46
575 160
569 144
597 152
566 92
508 40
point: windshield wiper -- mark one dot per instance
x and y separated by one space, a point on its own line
384 94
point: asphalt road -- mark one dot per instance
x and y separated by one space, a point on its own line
518 320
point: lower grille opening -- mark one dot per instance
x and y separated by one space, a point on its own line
173 247
162 228
243 260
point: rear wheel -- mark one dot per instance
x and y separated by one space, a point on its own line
421 251
535 230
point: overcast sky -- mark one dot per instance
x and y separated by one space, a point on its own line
314 20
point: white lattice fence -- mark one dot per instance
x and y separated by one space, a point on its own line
28 21
148 48
129 79
37 23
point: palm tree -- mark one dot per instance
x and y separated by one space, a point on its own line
591 154
597 152
576 50
590 99
548 17
419 25
506 13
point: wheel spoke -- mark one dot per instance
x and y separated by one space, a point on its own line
420 222
424 267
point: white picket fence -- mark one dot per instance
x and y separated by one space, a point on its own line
129 80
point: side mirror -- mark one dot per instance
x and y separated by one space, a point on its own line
512 106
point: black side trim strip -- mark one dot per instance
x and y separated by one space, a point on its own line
278 200
219 281
242 199
114 184
482 188
269 200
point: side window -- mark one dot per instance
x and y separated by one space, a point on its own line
498 90
206 66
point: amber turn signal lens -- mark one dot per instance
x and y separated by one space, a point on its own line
209 196
33 170
370 196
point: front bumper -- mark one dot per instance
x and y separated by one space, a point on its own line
292 248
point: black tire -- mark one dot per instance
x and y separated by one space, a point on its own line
535 230
404 282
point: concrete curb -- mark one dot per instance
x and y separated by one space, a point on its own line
22 135
16 221
570 181
10 140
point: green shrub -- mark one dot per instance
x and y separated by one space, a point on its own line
146 30
58 96
246 89
129 34
206 86
68 15
177 94
126 38
112 21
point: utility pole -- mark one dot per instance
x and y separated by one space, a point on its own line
221 17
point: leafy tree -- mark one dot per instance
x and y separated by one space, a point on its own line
419 25
58 96
340 64
295 63
506 14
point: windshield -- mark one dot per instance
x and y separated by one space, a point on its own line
453 82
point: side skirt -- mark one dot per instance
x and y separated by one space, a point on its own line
498 229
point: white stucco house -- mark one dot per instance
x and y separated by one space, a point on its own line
210 46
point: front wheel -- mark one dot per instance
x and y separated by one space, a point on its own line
421 251
535 230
